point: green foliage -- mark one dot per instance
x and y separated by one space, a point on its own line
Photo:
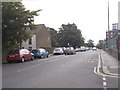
90 43
54 38
70 34
15 20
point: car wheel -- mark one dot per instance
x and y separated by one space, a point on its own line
22 59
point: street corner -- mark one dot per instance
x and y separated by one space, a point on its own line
112 71
104 68
105 72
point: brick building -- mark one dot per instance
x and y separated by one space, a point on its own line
40 38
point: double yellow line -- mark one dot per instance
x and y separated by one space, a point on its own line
100 66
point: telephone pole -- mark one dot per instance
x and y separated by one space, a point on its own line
108 17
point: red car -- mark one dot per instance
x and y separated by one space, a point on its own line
19 55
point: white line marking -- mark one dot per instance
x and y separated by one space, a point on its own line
57 59
104 78
104 88
28 68
104 83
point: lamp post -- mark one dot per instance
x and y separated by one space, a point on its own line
118 46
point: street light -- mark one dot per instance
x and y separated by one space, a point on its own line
118 39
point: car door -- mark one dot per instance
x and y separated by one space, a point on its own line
28 55
44 53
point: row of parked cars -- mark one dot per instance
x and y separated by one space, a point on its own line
83 49
23 55
71 50
66 51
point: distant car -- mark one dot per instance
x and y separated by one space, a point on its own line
87 48
69 51
57 51
40 53
77 50
82 48
19 55
94 49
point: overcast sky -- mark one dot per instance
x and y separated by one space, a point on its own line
89 15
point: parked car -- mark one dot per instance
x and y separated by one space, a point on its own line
86 48
40 53
94 49
82 48
58 51
69 51
19 55
77 50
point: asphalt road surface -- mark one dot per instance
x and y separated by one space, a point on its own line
60 71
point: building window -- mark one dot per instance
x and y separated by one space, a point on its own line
30 41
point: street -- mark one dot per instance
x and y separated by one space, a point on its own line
57 71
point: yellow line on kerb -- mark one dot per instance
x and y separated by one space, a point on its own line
97 69
114 74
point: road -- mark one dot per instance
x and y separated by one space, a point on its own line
60 71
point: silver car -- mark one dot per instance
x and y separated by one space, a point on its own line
57 51
69 51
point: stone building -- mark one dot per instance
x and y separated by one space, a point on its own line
40 38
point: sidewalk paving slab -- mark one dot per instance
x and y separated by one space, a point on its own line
109 62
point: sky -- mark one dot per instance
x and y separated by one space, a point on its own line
90 16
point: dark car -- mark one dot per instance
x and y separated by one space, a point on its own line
40 53
19 55
69 51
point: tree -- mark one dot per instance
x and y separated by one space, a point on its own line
54 38
15 20
90 43
70 35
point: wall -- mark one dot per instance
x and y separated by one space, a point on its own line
26 44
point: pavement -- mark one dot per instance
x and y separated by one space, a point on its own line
110 65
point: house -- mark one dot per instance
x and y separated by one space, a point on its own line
40 38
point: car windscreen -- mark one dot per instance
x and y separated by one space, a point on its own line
14 52
34 51
56 49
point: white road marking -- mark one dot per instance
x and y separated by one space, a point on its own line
29 68
104 83
104 78
104 88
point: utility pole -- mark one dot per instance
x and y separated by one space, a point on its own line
108 27
108 16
